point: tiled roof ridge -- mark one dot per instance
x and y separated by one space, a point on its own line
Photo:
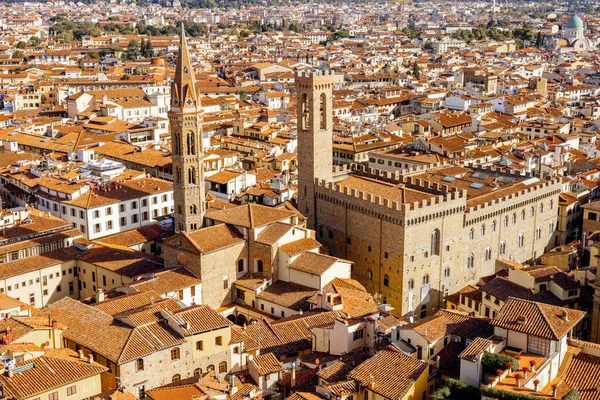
121 356
538 307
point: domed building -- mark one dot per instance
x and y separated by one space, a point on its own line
573 38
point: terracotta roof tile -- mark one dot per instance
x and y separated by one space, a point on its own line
537 319
390 373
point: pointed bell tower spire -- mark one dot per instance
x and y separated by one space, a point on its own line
187 150
183 91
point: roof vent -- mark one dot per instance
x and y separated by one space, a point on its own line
521 320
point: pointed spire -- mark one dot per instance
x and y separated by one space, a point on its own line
183 90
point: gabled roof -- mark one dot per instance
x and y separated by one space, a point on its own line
267 364
48 373
211 238
450 322
537 319
250 215
389 373
313 263
107 336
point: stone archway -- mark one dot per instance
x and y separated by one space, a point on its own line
241 320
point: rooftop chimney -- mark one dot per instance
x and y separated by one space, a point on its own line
293 381
91 358
99 296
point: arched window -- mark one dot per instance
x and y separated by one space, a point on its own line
447 272
176 378
181 225
550 228
426 279
423 311
482 230
494 226
179 209
197 372
506 221
435 242
191 144
386 280
370 274
538 233
411 284
521 240
514 218
259 266
193 209
324 110
488 254
303 111
320 232
502 248
241 265
175 353
541 207
176 147
551 205
522 215
210 368
192 175
177 175
531 211
222 367
470 261
471 234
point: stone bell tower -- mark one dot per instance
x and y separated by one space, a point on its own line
185 118
314 98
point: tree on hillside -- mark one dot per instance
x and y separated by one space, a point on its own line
416 71
132 52
539 40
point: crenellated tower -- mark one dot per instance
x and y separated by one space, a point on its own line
314 99
185 118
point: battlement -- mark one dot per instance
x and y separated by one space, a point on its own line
497 170
394 205
534 188
317 77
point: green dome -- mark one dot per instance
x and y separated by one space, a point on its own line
574 23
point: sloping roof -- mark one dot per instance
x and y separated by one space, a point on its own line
107 336
250 215
201 318
390 373
213 238
288 294
48 373
313 263
267 364
446 322
537 319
